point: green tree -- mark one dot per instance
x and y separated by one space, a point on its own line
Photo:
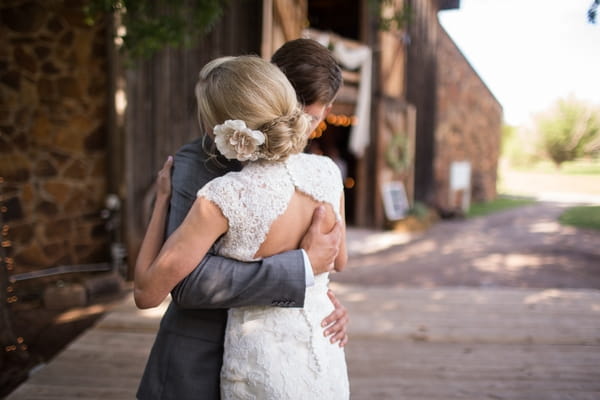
519 147
148 26
570 130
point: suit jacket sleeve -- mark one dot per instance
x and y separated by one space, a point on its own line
219 282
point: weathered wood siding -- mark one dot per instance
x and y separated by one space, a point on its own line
161 107
421 90
282 20
395 118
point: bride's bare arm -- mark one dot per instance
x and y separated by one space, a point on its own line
160 267
180 254
154 237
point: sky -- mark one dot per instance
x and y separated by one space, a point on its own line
529 53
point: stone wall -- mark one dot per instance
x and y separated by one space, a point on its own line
468 127
53 161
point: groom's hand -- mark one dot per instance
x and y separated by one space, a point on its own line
321 248
336 323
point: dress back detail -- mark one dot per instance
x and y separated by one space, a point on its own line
253 198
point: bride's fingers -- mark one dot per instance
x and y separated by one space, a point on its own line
335 324
165 172
163 180
167 165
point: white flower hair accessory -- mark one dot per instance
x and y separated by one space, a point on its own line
236 141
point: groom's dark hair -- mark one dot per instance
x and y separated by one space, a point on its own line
311 68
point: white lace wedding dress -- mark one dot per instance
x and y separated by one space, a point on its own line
274 353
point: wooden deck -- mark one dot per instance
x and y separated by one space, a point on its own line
418 344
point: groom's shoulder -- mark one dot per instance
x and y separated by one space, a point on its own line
194 150
190 164
198 156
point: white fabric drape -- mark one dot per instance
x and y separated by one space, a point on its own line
359 57
353 58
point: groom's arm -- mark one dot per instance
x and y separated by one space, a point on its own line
220 282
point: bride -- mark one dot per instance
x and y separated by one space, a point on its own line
270 352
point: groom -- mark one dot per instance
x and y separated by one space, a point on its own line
186 358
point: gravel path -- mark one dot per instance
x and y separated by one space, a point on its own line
523 247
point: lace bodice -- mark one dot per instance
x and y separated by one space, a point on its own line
254 197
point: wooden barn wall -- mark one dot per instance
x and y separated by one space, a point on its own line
396 125
421 90
161 107
283 20
395 118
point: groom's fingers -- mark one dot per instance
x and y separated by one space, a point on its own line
338 331
321 248
344 341
336 323
339 314
317 219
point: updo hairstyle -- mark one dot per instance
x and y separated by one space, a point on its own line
255 91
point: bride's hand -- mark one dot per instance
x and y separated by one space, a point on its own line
163 180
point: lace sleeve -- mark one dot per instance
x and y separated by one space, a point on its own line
230 193
221 191
319 177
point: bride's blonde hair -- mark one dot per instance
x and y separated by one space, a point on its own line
255 91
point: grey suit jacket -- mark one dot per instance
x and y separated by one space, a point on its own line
185 360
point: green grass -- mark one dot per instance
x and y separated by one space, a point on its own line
579 167
499 204
582 217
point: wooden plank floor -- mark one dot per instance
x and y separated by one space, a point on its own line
106 362
423 344
448 371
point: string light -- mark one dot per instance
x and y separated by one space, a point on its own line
318 132
334 120
8 261
342 120
9 264
349 183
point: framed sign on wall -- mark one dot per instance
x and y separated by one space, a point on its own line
395 201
